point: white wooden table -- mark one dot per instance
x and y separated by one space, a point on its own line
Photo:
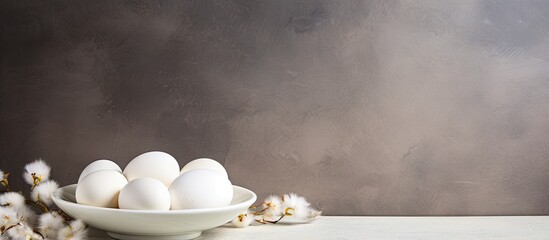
428 228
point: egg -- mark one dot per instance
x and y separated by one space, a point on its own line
205 163
97 165
200 188
100 188
144 194
159 165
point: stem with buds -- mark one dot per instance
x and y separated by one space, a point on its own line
5 182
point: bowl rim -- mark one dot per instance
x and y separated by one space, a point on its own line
250 198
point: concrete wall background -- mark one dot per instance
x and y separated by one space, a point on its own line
365 107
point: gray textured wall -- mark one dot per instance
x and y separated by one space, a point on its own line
365 107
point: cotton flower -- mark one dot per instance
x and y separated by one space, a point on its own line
12 200
75 231
22 232
50 223
16 202
8 217
27 215
17 220
290 207
272 207
243 220
295 206
36 172
43 192
78 226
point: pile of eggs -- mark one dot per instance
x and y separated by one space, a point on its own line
153 181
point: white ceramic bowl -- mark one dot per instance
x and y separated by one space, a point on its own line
143 224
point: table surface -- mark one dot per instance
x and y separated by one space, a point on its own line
333 227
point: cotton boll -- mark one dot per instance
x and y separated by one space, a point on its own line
50 223
145 194
27 215
295 206
205 163
43 192
77 226
98 165
75 231
200 188
159 165
36 172
243 220
100 189
16 202
22 232
272 206
8 217
12 200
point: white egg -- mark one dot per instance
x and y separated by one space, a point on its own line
159 165
97 165
200 188
100 189
144 194
205 163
